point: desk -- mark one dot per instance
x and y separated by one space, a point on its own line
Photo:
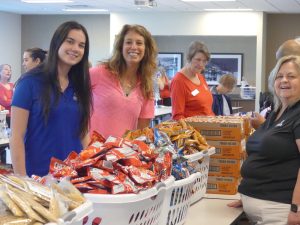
3 144
4 141
247 104
213 210
237 108
162 110
159 112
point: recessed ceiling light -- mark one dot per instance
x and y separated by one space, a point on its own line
47 1
85 10
208 0
228 10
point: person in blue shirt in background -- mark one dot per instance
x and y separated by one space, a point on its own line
222 102
52 104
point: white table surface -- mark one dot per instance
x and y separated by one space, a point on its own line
236 107
162 110
4 141
213 210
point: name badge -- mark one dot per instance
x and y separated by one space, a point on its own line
195 92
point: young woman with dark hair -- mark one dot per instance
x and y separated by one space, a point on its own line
52 104
33 57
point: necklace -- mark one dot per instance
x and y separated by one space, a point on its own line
127 87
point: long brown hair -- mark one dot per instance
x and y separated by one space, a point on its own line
147 66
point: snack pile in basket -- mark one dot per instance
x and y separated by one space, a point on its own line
186 141
182 135
115 165
25 201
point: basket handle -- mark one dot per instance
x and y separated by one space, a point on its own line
69 216
159 185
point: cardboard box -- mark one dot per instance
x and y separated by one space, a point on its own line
228 149
225 167
222 185
218 128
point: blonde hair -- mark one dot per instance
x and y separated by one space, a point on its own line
291 58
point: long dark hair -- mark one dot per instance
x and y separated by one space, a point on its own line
78 75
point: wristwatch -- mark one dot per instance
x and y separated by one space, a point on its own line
295 208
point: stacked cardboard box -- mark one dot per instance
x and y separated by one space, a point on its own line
227 134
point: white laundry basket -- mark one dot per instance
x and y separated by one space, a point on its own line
177 201
76 215
200 183
127 209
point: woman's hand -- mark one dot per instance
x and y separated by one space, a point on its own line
161 82
257 120
235 204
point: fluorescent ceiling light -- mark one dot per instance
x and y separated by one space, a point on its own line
85 10
47 1
208 0
228 10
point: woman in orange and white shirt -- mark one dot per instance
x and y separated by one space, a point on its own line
190 93
6 89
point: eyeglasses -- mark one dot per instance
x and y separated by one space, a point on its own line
287 77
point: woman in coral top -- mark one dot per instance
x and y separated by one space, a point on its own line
123 85
189 91
6 89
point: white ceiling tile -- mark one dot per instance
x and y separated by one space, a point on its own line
269 6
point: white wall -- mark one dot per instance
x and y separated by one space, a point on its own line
10 42
216 44
190 23
37 31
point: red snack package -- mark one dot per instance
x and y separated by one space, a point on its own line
112 142
72 158
99 174
96 137
84 187
41 180
98 191
89 152
93 150
80 179
163 165
105 165
116 154
85 163
141 175
120 168
144 149
103 184
123 189
127 185
59 169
